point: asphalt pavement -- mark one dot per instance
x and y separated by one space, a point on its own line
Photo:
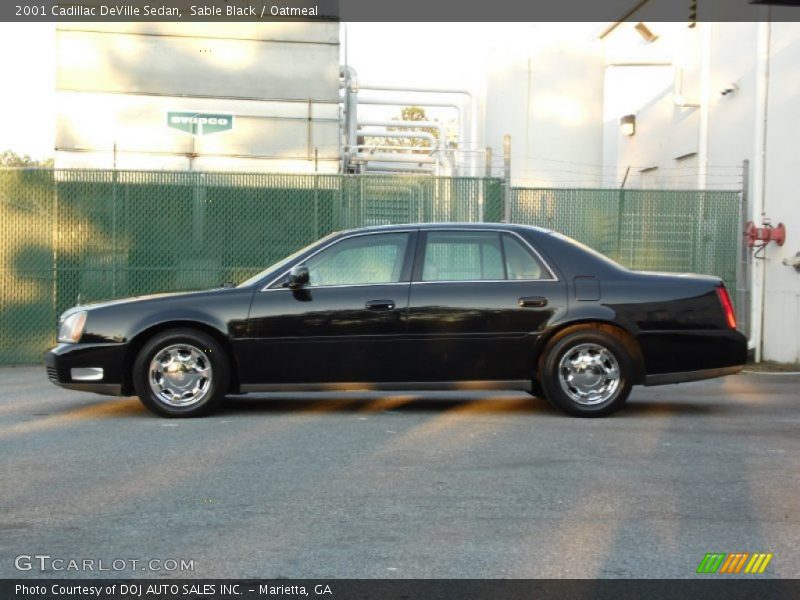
374 485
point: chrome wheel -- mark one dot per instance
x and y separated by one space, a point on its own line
180 375
589 374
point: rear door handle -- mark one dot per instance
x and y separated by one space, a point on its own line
532 302
380 305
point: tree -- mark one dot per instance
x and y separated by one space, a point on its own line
9 158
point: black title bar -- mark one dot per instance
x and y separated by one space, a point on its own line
398 589
399 10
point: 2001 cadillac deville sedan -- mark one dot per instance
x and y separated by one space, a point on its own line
441 306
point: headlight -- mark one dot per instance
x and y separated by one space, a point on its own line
71 328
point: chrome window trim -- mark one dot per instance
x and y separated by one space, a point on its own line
441 281
544 263
553 277
267 287
342 285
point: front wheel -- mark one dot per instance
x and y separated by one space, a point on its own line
587 373
181 373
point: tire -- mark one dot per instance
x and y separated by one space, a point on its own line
586 373
181 373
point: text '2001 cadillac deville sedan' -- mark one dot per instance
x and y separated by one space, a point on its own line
433 306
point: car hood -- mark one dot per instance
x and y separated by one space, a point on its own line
145 298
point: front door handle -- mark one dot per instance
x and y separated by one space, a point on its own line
532 302
380 305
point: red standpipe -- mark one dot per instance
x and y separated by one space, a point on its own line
761 236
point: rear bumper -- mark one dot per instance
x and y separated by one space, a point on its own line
87 367
667 378
691 355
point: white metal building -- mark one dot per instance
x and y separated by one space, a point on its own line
701 98
724 93
128 92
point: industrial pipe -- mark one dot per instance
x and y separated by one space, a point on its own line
402 134
409 124
413 124
415 102
398 157
350 80
473 128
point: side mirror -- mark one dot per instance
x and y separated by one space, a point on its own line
298 277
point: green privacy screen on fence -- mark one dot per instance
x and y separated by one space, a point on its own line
70 236
655 230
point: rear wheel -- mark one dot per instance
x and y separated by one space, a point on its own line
586 373
181 373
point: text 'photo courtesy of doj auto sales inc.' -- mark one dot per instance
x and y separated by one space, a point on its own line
130 589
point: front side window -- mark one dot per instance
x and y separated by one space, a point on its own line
360 260
478 256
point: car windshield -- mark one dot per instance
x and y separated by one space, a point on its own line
282 263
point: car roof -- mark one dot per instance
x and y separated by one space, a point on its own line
435 226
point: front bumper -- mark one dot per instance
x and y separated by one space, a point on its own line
87 367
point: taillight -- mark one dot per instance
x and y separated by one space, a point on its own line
727 306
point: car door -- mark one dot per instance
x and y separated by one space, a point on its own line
346 324
479 300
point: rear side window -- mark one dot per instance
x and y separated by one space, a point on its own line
463 256
477 256
520 263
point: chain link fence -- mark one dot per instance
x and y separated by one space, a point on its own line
654 230
75 236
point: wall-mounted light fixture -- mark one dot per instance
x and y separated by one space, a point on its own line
627 125
729 89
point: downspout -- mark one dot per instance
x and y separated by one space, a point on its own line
759 177
350 77
705 107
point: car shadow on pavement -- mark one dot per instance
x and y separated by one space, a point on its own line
375 403
115 407
371 402
650 408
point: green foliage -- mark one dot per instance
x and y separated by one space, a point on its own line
9 158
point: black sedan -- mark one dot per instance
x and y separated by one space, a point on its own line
433 306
